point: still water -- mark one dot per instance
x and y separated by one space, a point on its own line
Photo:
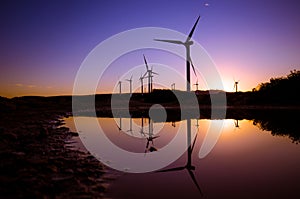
247 160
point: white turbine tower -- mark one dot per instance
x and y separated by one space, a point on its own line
150 74
187 44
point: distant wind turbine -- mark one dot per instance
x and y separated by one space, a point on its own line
236 123
130 126
173 123
130 84
150 138
173 86
187 44
142 83
150 75
235 86
196 85
120 86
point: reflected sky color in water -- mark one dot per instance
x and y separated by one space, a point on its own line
246 162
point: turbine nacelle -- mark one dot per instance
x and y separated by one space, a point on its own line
189 43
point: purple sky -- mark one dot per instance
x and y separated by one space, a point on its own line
43 43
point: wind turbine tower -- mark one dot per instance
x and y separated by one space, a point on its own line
120 87
197 84
173 86
235 86
130 84
142 83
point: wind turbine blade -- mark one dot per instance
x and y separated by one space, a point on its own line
141 76
194 142
145 74
154 73
145 62
119 127
195 182
155 137
192 31
169 41
173 169
131 77
193 67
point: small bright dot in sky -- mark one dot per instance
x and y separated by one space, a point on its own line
206 4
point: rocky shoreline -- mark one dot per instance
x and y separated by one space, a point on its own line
37 160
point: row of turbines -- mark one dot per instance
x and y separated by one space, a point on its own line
150 74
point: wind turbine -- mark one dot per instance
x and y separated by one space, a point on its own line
196 85
120 86
142 129
235 86
174 123
150 75
236 123
197 123
189 167
120 124
173 86
187 44
142 83
150 138
130 83
130 126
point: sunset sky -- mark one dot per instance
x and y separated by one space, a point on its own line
43 43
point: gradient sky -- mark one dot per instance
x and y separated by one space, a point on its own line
43 43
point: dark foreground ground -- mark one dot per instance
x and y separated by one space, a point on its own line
37 160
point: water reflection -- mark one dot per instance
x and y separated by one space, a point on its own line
236 123
120 124
189 167
245 158
149 137
281 127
